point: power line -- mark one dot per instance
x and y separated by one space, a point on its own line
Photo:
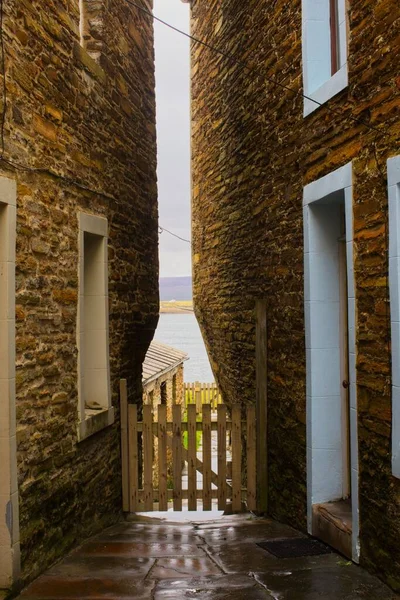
250 68
162 229
75 183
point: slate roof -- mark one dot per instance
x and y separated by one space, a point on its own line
160 359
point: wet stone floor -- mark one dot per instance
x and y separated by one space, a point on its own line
218 559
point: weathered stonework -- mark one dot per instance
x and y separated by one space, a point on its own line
82 133
172 379
252 154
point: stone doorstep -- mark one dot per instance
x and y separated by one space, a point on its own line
332 523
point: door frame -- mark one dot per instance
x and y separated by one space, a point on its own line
9 506
322 363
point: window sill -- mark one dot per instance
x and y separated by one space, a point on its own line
88 63
95 421
338 82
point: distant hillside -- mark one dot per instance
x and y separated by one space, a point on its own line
175 288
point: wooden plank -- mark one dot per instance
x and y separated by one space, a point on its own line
198 397
123 395
334 30
236 459
177 456
261 406
148 457
221 420
192 484
133 458
162 457
251 458
185 495
206 457
199 466
199 426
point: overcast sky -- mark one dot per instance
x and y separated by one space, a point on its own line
173 132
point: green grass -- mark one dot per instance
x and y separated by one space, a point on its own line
185 435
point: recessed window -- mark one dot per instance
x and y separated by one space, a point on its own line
324 30
93 337
91 26
394 288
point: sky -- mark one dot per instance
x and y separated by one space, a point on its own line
173 135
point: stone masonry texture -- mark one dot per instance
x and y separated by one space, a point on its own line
252 154
86 122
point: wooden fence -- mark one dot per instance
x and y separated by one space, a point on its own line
138 436
201 393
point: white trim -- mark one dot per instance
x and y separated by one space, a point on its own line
338 82
90 421
331 183
316 51
393 173
322 345
9 507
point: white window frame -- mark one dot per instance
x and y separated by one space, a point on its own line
9 508
335 83
393 171
92 421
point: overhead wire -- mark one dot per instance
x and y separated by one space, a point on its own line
250 68
162 229
213 48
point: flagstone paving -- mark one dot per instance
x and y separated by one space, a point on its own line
152 559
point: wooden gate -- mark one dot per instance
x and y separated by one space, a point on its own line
180 455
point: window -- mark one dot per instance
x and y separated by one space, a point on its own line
394 289
164 392
324 50
91 26
93 335
9 525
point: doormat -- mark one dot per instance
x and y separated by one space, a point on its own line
295 547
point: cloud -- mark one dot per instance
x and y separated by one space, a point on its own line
173 133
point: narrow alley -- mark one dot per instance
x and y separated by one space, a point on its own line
215 557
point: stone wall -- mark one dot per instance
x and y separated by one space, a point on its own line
82 133
152 390
252 154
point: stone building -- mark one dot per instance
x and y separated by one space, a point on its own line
296 174
78 265
163 376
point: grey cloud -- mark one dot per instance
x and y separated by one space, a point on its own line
173 126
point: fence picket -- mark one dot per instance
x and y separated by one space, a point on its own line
221 418
251 458
148 457
192 483
206 457
133 458
162 457
177 455
236 458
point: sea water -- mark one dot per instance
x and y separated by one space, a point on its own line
182 332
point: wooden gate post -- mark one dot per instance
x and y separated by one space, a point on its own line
261 405
123 394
